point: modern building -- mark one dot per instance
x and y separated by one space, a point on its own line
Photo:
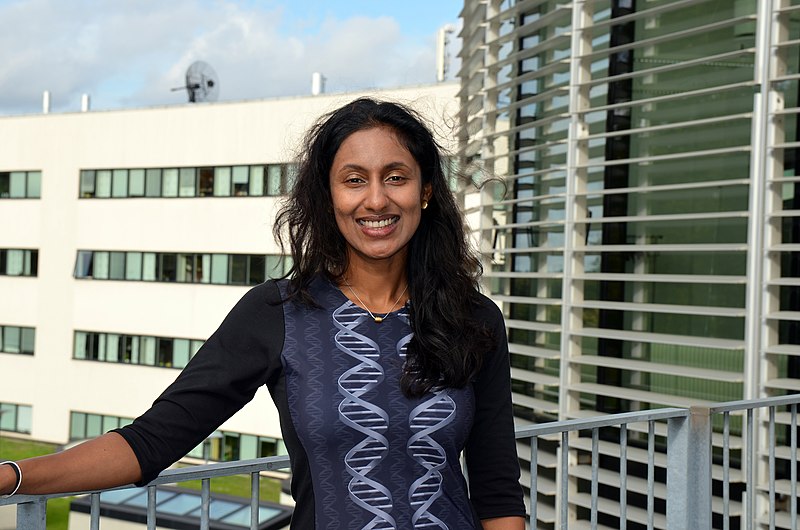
645 245
125 238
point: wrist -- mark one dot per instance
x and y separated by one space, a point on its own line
10 478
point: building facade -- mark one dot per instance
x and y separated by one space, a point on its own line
644 242
126 237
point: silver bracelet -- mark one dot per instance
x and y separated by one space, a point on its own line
18 472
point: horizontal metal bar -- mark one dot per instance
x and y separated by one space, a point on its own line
748 404
543 429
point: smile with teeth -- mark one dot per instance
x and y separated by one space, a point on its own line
379 223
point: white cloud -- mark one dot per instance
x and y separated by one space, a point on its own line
131 53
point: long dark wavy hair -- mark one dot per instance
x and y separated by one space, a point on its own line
443 273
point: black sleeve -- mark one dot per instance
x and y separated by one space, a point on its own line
242 355
491 451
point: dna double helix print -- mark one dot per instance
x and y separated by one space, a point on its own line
428 417
425 419
364 417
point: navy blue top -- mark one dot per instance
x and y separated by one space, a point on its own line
363 455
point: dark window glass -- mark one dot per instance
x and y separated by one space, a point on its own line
5 184
152 187
116 266
206 182
241 180
164 353
238 272
257 270
231 444
18 262
92 346
83 265
34 262
168 267
267 447
87 183
27 341
221 269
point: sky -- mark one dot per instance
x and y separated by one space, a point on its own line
132 53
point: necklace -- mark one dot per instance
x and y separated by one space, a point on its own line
377 319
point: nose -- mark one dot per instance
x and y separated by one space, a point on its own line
376 199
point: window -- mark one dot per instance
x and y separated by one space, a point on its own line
103 183
16 339
136 183
210 181
119 183
15 418
20 184
220 269
134 349
18 262
169 183
152 183
225 446
84 425
187 182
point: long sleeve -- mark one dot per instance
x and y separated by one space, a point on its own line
491 454
242 355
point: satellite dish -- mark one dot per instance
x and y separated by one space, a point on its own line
202 83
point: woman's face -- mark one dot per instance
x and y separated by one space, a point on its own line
377 192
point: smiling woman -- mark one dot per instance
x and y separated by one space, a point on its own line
384 361
377 195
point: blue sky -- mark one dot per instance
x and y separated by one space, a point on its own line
130 53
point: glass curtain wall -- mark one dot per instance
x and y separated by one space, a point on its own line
644 242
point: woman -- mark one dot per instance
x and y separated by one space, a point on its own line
382 358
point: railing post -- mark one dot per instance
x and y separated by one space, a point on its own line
32 515
689 471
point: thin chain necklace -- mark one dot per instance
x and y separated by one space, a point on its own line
377 319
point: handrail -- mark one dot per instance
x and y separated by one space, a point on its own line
689 466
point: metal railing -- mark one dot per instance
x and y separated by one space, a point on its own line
694 441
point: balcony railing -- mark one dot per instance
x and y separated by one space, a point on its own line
696 442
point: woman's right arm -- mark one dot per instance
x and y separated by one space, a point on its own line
103 462
224 375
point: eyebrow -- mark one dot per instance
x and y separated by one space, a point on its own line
387 167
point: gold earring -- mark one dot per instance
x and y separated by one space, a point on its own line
424 204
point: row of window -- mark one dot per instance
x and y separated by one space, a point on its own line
15 418
226 446
217 181
134 349
20 184
221 446
19 262
16 339
83 425
221 269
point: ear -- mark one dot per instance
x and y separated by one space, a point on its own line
427 191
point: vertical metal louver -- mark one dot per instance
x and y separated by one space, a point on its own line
644 245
